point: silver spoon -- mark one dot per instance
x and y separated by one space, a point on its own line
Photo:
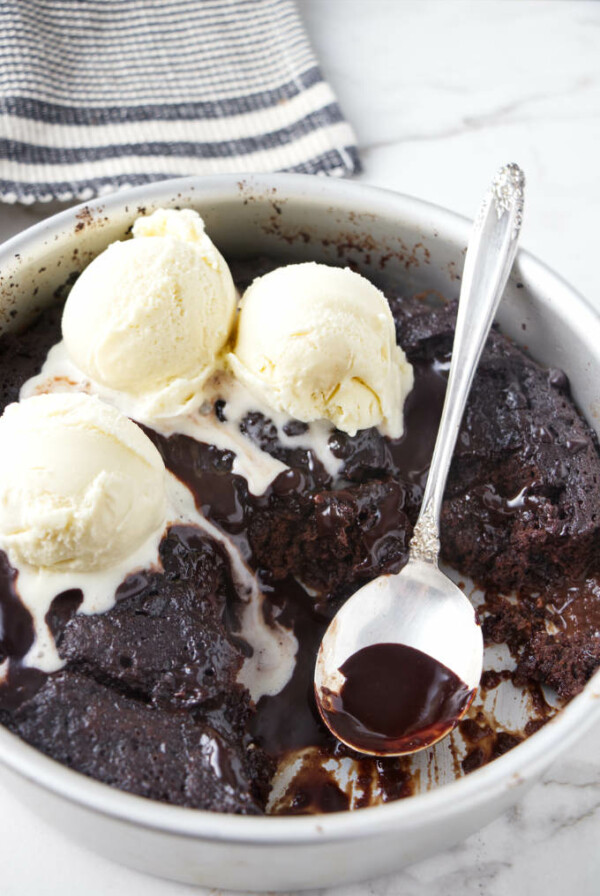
401 661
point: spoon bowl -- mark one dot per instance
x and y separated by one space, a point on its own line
401 661
406 699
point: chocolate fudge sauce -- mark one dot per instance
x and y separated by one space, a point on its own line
16 624
16 637
395 699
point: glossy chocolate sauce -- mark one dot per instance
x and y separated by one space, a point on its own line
395 699
576 607
16 624
17 634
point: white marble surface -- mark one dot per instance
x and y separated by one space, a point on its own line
440 94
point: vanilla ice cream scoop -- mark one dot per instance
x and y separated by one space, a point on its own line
318 342
81 486
150 316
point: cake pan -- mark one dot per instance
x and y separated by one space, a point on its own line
423 247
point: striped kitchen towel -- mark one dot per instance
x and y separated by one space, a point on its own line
100 94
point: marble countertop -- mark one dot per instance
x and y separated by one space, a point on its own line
441 92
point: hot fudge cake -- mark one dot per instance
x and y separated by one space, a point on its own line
176 691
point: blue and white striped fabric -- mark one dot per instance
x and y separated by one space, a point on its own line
98 94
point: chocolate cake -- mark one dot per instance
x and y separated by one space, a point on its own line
148 699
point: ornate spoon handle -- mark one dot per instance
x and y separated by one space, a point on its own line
489 258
